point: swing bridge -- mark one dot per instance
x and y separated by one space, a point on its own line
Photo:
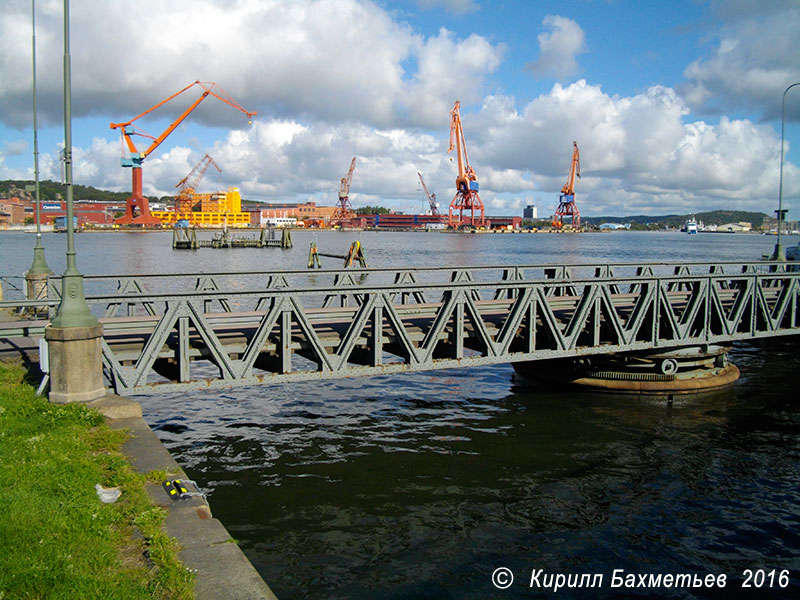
175 332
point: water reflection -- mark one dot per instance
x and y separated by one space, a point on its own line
415 486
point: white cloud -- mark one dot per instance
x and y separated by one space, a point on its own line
558 48
636 151
15 147
754 60
46 162
505 180
443 64
330 60
99 164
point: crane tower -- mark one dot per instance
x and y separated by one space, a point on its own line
566 204
466 198
343 214
137 209
431 197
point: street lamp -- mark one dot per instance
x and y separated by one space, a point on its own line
779 255
74 336
39 269
73 311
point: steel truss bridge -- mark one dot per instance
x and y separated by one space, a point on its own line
168 333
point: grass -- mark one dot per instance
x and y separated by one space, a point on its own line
57 540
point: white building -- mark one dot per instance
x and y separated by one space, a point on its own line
279 221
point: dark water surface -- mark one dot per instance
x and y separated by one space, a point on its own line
421 485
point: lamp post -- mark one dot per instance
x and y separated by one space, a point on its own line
73 311
779 254
74 335
38 272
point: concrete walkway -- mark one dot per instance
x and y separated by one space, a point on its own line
223 571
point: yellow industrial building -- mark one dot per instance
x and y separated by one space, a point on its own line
207 210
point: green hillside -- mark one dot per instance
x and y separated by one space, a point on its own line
714 217
54 190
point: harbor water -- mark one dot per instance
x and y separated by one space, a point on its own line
423 485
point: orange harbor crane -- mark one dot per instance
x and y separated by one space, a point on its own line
188 185
566 204
466 197
137 209
343 214
431 197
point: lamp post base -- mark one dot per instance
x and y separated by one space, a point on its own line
76 364
37 290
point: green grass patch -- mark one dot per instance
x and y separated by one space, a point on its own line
57 540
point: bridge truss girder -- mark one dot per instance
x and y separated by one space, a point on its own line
378 331
383 321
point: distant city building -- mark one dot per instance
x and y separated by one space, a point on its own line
306 211
530 212
12 211
771 224
615 226
739 227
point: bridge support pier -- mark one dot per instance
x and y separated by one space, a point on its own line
76 365
670 372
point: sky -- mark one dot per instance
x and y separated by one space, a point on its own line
675 106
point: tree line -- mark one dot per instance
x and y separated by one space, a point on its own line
51 191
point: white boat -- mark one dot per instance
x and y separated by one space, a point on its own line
690 226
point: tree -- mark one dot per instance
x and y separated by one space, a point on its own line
372 210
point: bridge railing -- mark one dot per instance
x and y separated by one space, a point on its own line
219 329
126 290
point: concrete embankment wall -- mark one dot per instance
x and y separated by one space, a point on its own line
222 569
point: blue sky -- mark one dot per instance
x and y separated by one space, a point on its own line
675 105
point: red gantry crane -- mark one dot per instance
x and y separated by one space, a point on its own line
566 205
466 197
431 197
343 213
188 185
137 209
